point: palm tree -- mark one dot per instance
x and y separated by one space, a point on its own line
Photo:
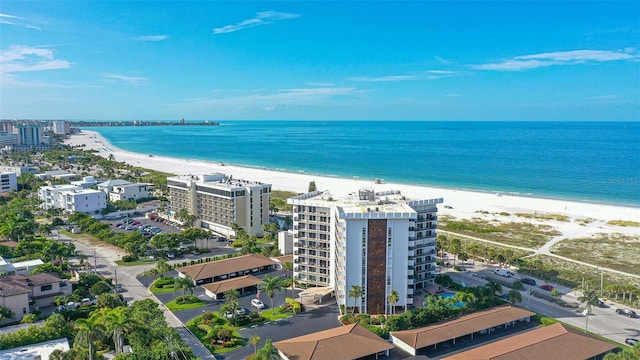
231 296
267 352
184 285
356 292
497 288
117 322
393 298
89 330
589 299
255 339
269 285
514 296
288 267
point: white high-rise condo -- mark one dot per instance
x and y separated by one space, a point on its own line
377 241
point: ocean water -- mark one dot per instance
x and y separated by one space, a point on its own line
586 161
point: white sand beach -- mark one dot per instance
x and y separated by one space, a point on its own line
457 203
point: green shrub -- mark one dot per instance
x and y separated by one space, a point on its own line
163 282
129 258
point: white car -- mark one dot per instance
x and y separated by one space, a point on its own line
256 303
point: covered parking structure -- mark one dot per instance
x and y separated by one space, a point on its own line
480 322
546 343
224 269
345 342
216 290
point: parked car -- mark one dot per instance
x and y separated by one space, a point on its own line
119 288
529 281
626 312
256 303
503 272
88 302
631 341
546 287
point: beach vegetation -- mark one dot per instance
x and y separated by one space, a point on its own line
278 201
312 186
611 250
520 234
623 223
543 217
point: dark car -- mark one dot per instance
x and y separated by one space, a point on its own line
631 341
626 312
529 281
546 287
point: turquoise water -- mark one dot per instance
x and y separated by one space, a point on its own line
585 161
449 296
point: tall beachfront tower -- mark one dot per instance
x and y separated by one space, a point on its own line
379 241
219 201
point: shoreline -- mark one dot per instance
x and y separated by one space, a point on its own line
458 202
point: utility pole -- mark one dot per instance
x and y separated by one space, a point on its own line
601 279
95 262
115 276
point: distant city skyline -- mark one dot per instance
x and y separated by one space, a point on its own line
313 60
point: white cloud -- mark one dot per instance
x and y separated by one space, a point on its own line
262 18
152 37
20 58
277 100
17 21
385 78
125 78
525 62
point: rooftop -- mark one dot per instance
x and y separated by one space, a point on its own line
231 284
351 342
464 325
217 179
546 343
225 266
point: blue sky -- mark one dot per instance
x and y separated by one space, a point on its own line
320 60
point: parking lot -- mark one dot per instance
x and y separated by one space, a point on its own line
148 227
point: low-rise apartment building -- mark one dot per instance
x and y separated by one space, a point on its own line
377 241
8 182
219 201
72 198
130 192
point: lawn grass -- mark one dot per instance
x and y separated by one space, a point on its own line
157 290
194 304
135 263
512 233
615 251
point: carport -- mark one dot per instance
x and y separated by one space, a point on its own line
216 290
480 322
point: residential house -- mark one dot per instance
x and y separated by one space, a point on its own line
129 192
24 293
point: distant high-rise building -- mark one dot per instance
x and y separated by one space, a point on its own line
61 127
378 242
28 134
219 201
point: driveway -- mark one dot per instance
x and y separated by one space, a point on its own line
308 322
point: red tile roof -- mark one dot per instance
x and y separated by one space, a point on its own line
547 343
345 342
225 266
235 283
465 325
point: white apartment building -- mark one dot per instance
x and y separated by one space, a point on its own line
72 198
219 201
129 191
8 182
378 241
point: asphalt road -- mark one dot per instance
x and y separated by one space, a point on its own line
604 321
126 276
